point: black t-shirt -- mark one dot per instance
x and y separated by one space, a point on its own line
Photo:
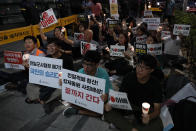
64 45
150 92
67 61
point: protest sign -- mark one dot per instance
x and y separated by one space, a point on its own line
140 48
114 9
119 100
181 29
153 23
165 34
141 39
84 46
112 23
13 60
78 36
154 49
48 18
83 90
134 30
148 13
44 71
116 50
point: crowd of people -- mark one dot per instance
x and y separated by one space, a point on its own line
141 72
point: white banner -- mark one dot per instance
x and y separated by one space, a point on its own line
154 49
181 29
78 36
116 50
165 34
153 23
119 100
114 9
148 13
44 71
84 47
83 90
141 39
14 66
48 18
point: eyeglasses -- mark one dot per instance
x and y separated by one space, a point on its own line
139 65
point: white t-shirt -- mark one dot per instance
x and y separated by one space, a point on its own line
172 47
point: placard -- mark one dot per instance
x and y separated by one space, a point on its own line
78 36
181 29
165 34
119 100
112 23
141 39
83 90
48 18
154 49
140 48
116 50
13 60
114 9
44 71
153 23
84 46
148 13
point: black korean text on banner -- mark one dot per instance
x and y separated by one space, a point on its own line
13 60
112 23
119 100
154 49
48 18
181 29
44 71
141 39
83 90
116 50
84 47
79 36
140 48
153 23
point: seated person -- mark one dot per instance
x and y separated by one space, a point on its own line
90 67
140 87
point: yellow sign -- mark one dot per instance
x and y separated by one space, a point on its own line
12 35
155 9
113 8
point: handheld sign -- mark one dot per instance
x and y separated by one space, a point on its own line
153 23
140 48
148 13
78 36
83 90
44 71
154 49
116 50
181 29
165 34
48 18
119 100
112 23
13 60
84 46
141 39
114 9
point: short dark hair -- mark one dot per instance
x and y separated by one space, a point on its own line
148 60
56 41
32 38
92 56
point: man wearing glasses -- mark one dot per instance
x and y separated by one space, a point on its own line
90 67
140 87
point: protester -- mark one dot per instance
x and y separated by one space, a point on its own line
88 37
140 87
94 26
169 11
87 6
91 67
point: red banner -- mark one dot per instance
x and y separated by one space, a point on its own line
13 57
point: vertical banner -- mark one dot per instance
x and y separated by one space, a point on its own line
78 36
83 90
116 50
48 18
44 71
140 48
153 23
181 29
13 60
84 47
114 9
119 100
154 49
